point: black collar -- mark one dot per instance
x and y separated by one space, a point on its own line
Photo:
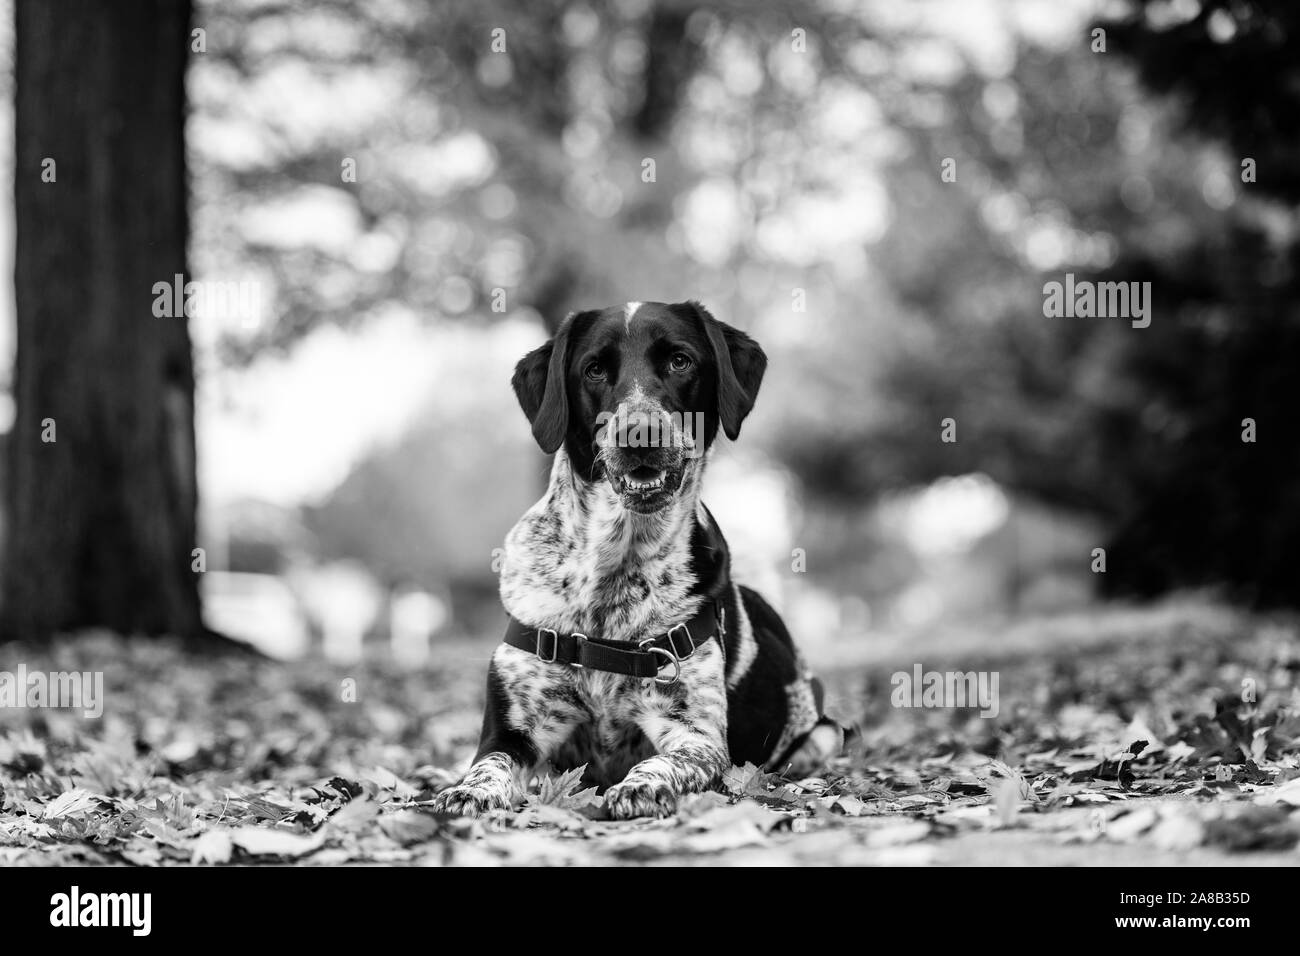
634 659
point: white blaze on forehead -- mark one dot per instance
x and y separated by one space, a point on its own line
629 310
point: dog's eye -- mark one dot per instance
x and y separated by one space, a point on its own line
680 362
595 372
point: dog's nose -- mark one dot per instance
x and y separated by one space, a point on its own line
633 433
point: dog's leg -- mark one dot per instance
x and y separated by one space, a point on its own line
688 727
812 751
652 787
492 783
526 717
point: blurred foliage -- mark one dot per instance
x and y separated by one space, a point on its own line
1200 505
785 171
413 515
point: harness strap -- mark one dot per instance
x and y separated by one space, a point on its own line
639 659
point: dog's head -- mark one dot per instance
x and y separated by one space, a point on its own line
636 393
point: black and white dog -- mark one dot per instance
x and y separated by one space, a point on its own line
629 648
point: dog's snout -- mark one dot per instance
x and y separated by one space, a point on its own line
642 434
632 430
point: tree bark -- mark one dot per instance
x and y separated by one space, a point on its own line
102 519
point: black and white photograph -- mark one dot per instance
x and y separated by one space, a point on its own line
650 434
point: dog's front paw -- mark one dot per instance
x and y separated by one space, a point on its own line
469 801
627 800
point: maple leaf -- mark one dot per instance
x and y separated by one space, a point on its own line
264 809
737 779
563 792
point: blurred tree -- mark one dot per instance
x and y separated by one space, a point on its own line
1203 505
499 148
949 324
518 164
102 486
432 507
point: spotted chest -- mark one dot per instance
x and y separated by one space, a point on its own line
578 562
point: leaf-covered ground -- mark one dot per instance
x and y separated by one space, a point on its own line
1168 735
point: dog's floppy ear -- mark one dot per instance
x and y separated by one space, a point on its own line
541 385
741 363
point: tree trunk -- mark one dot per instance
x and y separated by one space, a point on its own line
102 518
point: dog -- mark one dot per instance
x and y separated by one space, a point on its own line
629 649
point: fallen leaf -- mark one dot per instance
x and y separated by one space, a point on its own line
1129 826
563 792
850 805
1006 797
72 803
1178 831
1288 793
898 833
737 779
408 826
214 846
265 841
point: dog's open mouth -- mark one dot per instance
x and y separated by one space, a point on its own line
644 479
646 488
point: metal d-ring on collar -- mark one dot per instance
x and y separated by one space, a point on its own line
644 659
649 646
